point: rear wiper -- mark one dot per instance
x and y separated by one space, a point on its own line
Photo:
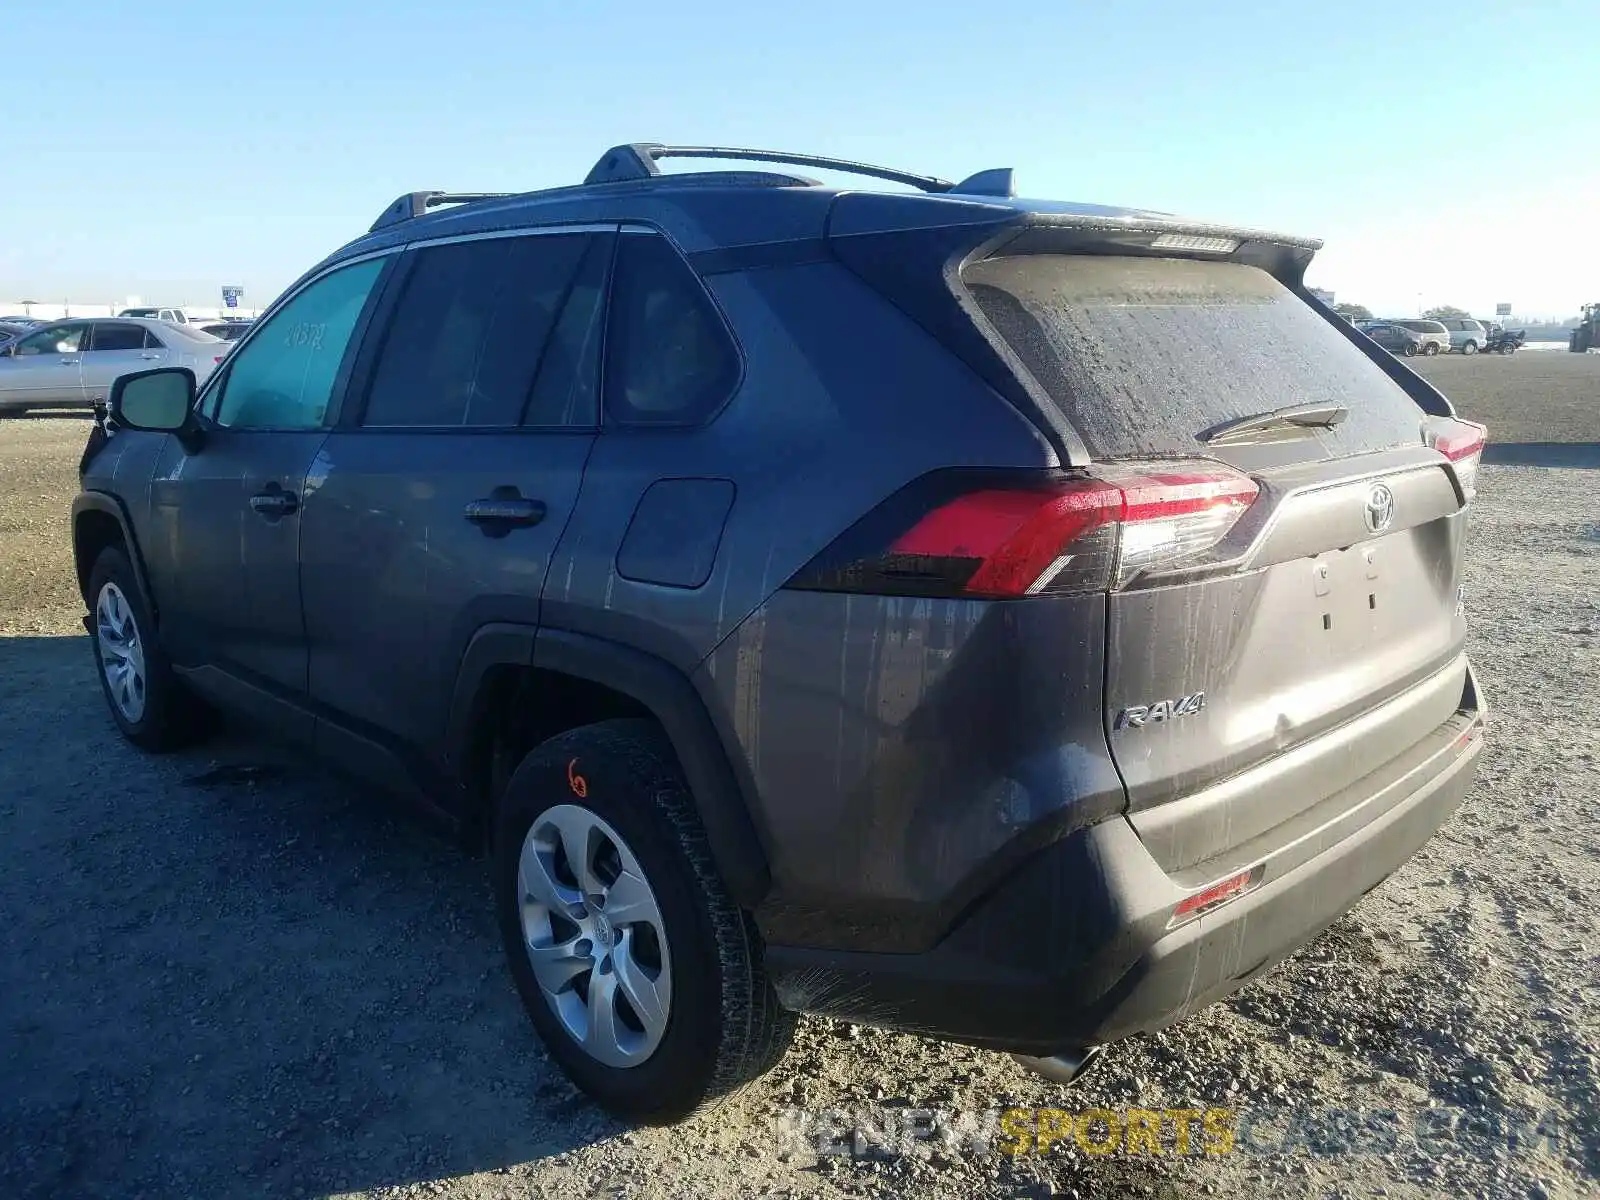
1282 422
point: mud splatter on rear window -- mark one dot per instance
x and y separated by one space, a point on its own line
1144 354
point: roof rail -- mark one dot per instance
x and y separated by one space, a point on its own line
415 204
638 160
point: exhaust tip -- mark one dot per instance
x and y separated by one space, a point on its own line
1067 1067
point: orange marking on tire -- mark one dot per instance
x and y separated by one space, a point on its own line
578 784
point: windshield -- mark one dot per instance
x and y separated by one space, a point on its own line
1142 355
192 332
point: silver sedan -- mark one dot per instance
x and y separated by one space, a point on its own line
71 364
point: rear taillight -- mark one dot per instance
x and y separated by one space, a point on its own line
1462 443
1003 541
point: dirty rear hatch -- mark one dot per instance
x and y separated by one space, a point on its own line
1334 595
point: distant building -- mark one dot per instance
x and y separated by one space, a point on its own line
1324 295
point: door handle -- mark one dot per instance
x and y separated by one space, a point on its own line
498 514
69 362
150 357
274 502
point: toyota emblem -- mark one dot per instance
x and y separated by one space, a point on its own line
1380 509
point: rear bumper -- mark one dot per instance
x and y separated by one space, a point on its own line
1075 950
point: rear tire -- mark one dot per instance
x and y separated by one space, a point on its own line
147 700
720 1026
1409 350
1470 348
1433 348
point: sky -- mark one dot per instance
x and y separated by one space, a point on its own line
1447 154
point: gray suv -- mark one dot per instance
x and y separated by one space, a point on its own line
1019 623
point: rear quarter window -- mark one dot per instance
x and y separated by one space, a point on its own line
1142 355
669 359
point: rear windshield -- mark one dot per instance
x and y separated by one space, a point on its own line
1142 355
192 332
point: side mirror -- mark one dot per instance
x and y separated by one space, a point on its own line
158 401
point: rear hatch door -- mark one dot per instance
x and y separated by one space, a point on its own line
1336 590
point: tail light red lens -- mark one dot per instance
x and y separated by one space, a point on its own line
1461 442
1091 532
1211 897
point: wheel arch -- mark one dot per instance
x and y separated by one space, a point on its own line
100 520
657 688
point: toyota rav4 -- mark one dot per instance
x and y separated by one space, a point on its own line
1020 623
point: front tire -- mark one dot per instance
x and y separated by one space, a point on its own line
1433 348
148 702
1470 348
1409 350
642 976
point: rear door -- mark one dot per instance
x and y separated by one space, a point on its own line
117 348
1334 591
439 501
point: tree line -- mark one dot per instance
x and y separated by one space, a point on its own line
1440 312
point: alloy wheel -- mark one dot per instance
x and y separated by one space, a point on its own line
121 652
594 935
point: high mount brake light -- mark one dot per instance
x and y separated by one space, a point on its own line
1009 540
1462 442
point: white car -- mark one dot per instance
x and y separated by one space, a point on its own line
175 316
71 364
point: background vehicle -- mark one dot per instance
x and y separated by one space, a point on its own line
1466 334
1585 335
71 364
1396 339
820 600
1435 337
228 331
1506 341
175 316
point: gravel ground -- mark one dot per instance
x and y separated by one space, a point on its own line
224 974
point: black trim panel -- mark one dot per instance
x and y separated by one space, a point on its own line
106 503
753 256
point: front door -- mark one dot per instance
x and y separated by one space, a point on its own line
227 517
44 369
436 509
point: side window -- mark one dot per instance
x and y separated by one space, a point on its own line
115 335
668 357
284 378
470 342
152 342
53 339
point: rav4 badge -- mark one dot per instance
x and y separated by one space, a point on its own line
1137 716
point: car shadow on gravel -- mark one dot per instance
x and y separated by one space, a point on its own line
1543 454
224 973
